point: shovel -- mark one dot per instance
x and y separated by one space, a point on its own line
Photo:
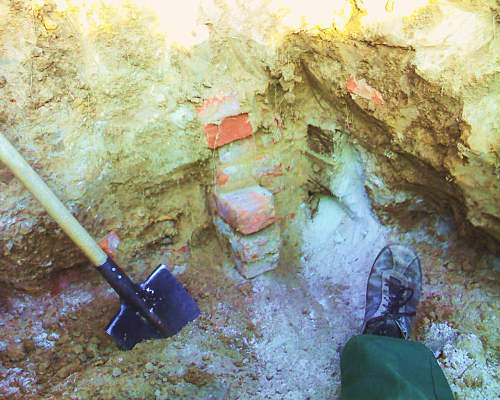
159 307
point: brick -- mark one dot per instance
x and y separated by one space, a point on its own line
362 89
110 243
247 210
251 247
268 169
231 129
253 254
252 269
351 84
211 132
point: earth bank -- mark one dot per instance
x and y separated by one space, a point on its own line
374 130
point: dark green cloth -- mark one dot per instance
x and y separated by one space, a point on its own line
386 368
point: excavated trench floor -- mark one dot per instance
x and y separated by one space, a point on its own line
278 336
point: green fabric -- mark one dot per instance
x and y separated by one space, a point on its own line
386 368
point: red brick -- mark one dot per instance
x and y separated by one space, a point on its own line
231 129
362 89
377 98
247 210
351 84
211 132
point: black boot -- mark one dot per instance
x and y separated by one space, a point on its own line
393 292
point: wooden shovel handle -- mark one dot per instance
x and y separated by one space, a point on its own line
56 209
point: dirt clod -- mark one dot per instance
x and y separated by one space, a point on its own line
197 376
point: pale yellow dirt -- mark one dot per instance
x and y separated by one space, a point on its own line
101 99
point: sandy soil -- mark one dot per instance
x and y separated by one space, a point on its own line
383 134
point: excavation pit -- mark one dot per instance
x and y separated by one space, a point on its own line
266 165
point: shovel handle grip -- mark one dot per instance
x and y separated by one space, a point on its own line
56 209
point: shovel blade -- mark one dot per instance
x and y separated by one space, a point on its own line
169 301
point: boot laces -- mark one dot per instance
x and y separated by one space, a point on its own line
398 296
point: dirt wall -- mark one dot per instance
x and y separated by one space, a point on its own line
400 90
104 106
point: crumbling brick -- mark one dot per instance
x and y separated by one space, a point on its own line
233 177
268 168
222 178
247 210
269 174
110 244
252 269
253 254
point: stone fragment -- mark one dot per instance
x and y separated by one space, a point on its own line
36 52
251 247
252 269
231 129
247 210
438 335
197 376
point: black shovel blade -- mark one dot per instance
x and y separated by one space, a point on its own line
166 298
